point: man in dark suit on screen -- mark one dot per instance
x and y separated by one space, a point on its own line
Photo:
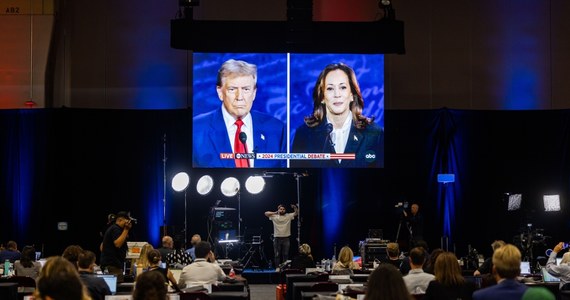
233 127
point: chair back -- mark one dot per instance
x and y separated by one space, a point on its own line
324 287
194 296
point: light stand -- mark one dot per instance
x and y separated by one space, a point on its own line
180 183
164 231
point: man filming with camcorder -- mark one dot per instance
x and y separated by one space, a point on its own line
114 248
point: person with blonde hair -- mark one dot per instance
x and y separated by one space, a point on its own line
345 263
562 270
304 259
60 280
449 284
140 264
487 265
506 268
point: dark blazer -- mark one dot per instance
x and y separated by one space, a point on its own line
316 140
509 289
210 138
436 291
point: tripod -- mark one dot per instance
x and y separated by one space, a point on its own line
255 255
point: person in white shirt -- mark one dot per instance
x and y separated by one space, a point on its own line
417 280
204 270
281 231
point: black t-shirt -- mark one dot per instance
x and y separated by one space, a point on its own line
111 255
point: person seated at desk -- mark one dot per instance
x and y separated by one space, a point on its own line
178 258
449 284
97 286
561 271
386 283
392 255
345 264
304 259
27 265
417 280
155 259
11 252
204 270
506 268
150 285
59 279
140 264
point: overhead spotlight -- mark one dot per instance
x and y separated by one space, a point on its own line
386 6
230 187
204 185
515 201
180 181
551 202
255 184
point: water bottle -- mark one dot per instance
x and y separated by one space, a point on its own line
7 267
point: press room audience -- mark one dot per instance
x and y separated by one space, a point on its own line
27 265
11 252
71 253
167 246
345 263
562 270
386 283
449 284
59 280
150 286
392 255
194 241
506 268
417 280
204 270
96 286
304 259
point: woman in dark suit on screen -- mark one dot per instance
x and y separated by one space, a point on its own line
337 124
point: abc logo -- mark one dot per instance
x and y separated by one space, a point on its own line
370 156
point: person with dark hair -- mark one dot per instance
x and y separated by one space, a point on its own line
204 270
304 259
155 259
71 253
281 232
96 286
150 286
429 266
178 258
59 280
114 247
234 127
449 284
386 283
417 280
506 268
11 252
27 265
337 124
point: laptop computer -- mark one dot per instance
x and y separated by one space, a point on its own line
111 281
546 277
525 268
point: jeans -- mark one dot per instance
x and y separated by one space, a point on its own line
281 249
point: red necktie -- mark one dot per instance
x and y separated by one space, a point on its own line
239 147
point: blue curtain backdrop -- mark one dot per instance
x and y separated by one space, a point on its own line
78 165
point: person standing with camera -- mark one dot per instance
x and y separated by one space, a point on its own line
114 247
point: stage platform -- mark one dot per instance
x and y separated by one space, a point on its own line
261 276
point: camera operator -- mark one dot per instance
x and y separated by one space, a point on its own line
114 248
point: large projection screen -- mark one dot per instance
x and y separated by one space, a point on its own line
281 99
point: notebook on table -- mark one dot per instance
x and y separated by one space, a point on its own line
547 277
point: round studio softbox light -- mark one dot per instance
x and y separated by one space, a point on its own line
180 181
230 186
255 184
205 185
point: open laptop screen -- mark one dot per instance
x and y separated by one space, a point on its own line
546 277
525 268
111 281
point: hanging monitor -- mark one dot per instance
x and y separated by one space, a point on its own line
296 110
